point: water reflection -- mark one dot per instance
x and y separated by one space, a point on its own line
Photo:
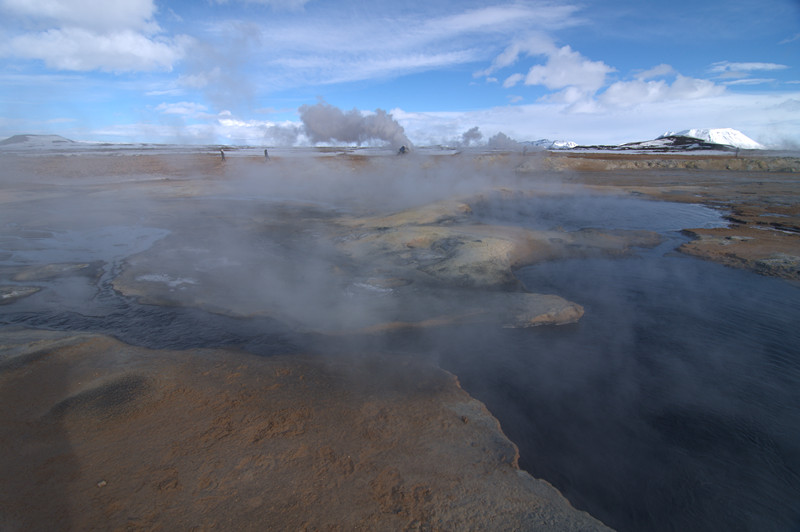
673 405
575 211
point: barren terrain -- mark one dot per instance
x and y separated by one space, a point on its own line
101 434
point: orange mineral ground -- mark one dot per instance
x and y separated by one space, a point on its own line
99 434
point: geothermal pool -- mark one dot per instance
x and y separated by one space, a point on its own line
671 405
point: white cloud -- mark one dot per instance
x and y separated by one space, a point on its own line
239 131
201 79
571 95
223 127
170 133
82 50
635 92
502 18
728 66
324 52
88 14
580 84
656 72
686 88
749 81
357 44
61 120
535 44
733 73
341 69
624 93
566 68
235 123
512 80
289 5
189 109
768 118
85 35
793 38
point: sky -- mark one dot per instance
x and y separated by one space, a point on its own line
245 71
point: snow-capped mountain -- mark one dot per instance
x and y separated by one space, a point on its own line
665 144
548 144
562 145
723 139
727 136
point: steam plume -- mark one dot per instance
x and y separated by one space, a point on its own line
471 135
501 141
324 122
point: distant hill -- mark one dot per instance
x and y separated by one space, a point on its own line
662 144
36 141
552 144
726 136
725 139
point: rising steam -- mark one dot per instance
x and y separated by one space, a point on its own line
470 136
324 122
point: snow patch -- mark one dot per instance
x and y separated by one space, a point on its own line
547 144
563 145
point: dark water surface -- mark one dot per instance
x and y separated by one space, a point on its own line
578 210
674 404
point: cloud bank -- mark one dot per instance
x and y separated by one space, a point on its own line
85 35
584 85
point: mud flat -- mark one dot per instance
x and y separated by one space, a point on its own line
97 433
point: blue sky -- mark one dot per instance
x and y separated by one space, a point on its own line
237 71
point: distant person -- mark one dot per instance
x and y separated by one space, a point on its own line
222 154
266 155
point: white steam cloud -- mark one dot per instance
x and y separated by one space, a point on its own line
470 136
501 141
323 122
